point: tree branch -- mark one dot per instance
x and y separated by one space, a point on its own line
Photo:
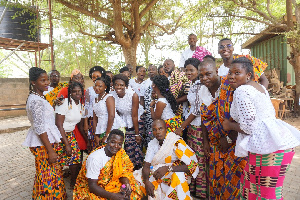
268 9
147 8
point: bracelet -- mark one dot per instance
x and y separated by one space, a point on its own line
170 169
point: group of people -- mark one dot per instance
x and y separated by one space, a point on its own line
191 131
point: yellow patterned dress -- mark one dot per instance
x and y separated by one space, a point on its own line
51 96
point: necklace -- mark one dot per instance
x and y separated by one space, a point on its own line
99 99
42 96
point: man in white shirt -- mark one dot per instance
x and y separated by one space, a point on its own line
188 53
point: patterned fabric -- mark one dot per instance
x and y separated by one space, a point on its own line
148 136
91 133
200 53
133 149
63 159
195 141
118 166
173 123
51 96
179 86
263 175
48 182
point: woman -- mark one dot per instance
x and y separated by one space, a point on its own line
166 105
90 96
42 139
161 71
193 122
127 104
67 116
105 115
267 142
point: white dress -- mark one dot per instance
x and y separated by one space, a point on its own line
124 107
139 88
90 96
167 112
255 113
100 110
42 119
194 100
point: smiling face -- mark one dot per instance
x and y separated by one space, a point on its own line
159 130
192 40
119 87
76 93
191 72
114 144
208 75
237 75
152 71
41 84
141 73
99 87
95 75
225 49
54 77
169 66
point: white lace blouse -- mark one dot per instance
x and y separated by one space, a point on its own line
90 96
167 112
100 110
42 119
139 88
255 113
124 107
194 100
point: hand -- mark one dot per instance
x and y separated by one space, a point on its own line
103 140
128 190
97 140
223 144
179 131
152 104
138 139
52 157
206 149
149 188
59 100
160 172
68 150
226 124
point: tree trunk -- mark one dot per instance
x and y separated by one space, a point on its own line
297 79
130 55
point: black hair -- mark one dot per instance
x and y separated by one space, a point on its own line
123 69
159 67
209 56
34 74
70 89
224 40
121 77
107 72
115 132
54 70
163 84
192 61
137 68
106 80
246 64
192 34
97 68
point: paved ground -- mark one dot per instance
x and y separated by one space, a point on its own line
17 164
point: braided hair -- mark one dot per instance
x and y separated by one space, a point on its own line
163 84
106 80
34 74
97 68
72 85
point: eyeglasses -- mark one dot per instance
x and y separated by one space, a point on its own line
224 46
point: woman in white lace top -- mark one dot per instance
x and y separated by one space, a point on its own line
267 142
166 106
42 139
129 109
105 116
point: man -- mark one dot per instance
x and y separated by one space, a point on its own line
107 173
168 163
55 86
225 49
179 84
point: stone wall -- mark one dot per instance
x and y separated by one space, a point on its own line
15 91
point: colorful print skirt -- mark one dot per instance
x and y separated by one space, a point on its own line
133 149
65 160
48 182
263 175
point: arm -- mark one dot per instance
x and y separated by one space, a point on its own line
59 121
205 140
135 121
181 99
232 125
95 122
264 81
148 185
110 104
142 101
158 111
52 154
101 192
185 124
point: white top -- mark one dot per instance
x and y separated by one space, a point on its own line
194 100
186 54
49 90
72 112
124 107
167 112
255 113
90 96
42 119
205 95
100 110
139 88
95 162
223 71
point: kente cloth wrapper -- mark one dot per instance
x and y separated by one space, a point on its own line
173 185
48 181
52 95
263 175
65 160
173 123
118 166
